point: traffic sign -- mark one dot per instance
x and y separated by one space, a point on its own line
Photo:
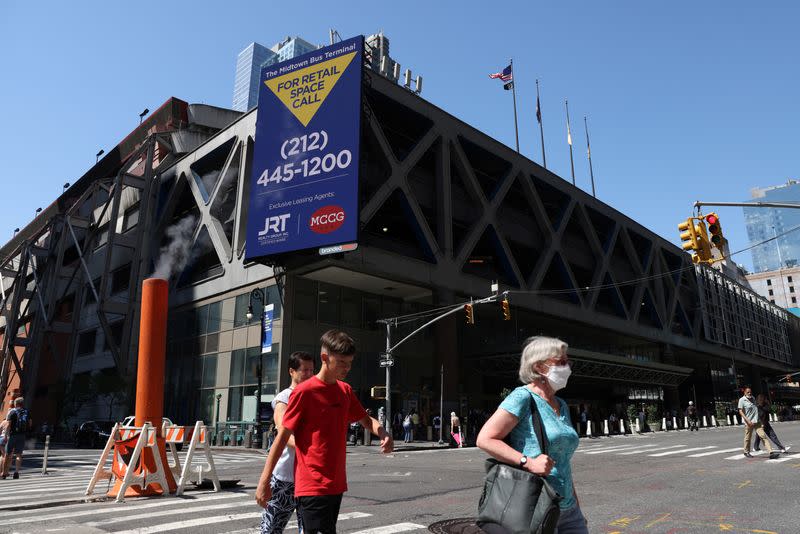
387 363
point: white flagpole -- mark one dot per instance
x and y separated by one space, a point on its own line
569 141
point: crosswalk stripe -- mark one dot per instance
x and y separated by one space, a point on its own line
612 449
681 451
201 521
72 488
700 455
391 529
293 524
649 449
782 459
34 516
165 513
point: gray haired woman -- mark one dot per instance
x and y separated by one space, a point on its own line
508 435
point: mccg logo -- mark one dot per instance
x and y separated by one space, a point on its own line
327 219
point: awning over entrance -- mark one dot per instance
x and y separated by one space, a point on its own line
595 365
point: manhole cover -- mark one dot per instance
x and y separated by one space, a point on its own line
464 525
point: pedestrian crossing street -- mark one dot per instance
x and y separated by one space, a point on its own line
56 503
661 450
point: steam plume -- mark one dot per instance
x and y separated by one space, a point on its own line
174 255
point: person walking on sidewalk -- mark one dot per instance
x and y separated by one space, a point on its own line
749 412
280 507
691 414
19 424
318 415
763 414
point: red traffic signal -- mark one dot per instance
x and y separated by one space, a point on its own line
469 312
715 229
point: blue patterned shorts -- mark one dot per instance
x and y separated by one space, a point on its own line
279 508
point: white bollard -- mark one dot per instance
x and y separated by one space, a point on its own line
622 427
772 418
705 421
663 423
605 427
729 420
714 421
674 424
588 429
685 422
46 450
638 428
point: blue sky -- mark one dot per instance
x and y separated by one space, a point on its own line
686 100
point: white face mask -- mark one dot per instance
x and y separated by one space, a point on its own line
558 376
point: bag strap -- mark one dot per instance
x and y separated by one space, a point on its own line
538 426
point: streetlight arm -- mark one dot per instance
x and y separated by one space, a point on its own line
795 205
455 309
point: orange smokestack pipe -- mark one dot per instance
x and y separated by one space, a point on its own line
150 381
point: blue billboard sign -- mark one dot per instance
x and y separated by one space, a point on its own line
266 329
304 184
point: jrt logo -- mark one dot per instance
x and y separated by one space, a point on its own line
275 225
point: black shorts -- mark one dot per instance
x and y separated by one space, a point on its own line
319 513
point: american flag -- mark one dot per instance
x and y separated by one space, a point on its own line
506 75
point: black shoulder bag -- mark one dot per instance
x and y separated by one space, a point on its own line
516 501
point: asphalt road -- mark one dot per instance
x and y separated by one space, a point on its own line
676 482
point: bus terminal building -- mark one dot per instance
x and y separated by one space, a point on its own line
443 212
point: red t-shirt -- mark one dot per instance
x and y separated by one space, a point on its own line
318 414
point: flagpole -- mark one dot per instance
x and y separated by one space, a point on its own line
514 94
541 126
569 141
589 154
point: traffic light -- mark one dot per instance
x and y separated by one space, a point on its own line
468 311
506 309
378 392
688 235
715 229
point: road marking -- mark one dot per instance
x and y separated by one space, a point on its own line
165 513
650 449
779 460
200 521
659 520
293 524
20 517
395 474
742 456
714 452
390 529
681 451
745 484
67 488
612 449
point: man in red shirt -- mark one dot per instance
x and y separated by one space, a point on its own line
318 415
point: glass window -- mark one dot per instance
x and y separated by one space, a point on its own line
791 289
305 299
121 279
769 282
200 319
214 317
351 308
794 300
789 279
328 300
770 292
86 342
212 343
240 310
235 403
237 367
130 219
206 408
209 371
372 309
772 302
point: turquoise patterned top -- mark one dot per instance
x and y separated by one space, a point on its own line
562 440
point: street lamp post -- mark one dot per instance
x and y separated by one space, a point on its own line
142 114
101 152
216 420
257 294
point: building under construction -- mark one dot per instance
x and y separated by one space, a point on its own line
445 210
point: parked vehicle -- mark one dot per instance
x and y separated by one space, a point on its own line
93 434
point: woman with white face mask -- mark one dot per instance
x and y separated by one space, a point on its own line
509 436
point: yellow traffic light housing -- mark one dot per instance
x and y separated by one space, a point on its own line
715 229
688 235
506 309
694 237
469 313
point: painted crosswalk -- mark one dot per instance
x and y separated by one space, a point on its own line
653 450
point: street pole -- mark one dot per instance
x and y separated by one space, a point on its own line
257 437
441 406
216 420
388 378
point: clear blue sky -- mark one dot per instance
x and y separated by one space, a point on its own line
686 100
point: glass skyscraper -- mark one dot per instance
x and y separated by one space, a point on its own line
255 56
766 223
